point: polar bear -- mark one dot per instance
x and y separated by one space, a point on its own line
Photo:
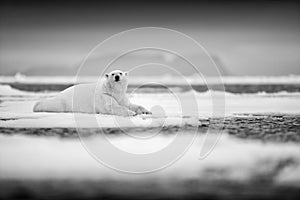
108 96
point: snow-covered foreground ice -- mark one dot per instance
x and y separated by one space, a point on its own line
168 108
24 157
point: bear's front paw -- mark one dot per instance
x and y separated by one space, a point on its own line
131 113
142 110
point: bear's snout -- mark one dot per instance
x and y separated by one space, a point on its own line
117 78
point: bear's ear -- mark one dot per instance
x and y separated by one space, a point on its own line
106 75
126 73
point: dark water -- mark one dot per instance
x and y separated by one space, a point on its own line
268 128
117 189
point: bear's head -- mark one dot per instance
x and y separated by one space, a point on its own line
117 79
117 76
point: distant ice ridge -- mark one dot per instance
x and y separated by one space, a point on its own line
164 79
7 90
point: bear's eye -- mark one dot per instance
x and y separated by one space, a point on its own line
121 73
113 74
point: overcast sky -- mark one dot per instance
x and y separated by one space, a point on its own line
258 38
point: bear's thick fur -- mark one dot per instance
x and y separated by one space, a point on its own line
106 97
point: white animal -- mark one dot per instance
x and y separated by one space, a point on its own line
106 97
